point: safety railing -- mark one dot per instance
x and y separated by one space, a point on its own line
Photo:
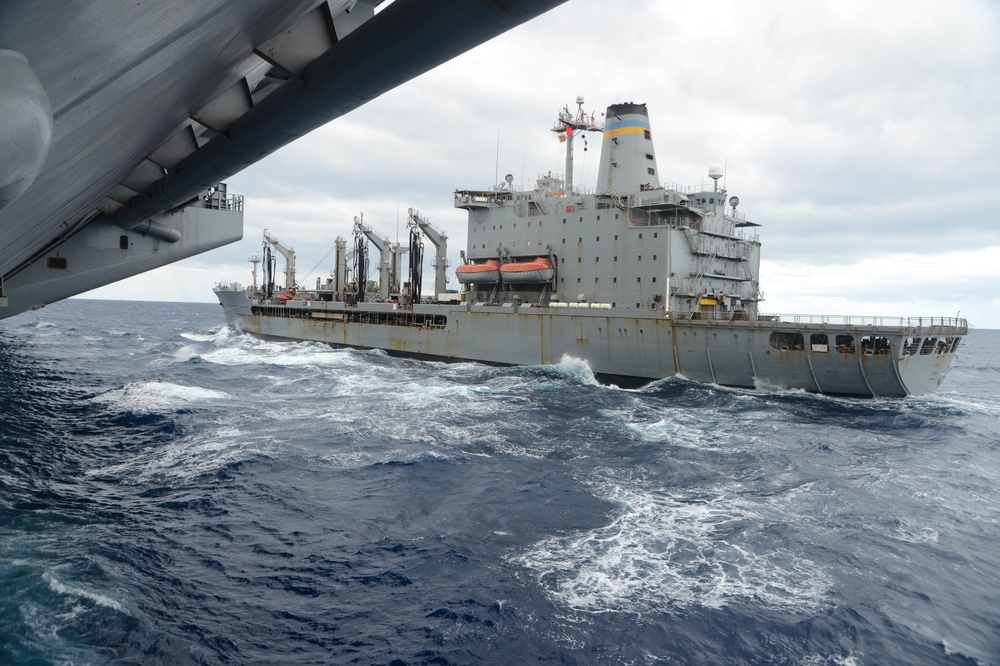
870 321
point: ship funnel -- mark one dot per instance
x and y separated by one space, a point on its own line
628 161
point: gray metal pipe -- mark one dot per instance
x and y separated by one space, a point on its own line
408 38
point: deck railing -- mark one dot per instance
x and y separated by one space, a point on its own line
827 320
869 320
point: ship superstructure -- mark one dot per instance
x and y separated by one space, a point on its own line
641 278
633 244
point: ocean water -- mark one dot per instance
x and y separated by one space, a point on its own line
174 493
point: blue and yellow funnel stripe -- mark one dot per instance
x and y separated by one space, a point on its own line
620 127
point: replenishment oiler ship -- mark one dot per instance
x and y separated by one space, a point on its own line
641 279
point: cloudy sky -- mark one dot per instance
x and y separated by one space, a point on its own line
864 137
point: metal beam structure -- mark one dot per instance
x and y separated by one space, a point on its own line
195 92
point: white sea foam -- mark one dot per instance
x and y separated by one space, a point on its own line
249 351
672 431
223 335
914 533
985 406
185 353
664 553
576 369
833 660
187 457
153 397
70 590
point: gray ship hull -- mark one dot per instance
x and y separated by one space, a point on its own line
637 346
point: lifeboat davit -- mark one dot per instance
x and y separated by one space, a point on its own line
522 272
485 273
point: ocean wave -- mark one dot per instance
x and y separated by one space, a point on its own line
157 397
80 593
663 553
248 351
188 457
223 334
577 370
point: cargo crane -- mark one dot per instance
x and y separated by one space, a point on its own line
386 256
440 241
289 255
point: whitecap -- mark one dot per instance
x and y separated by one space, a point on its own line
258 352
665 553
576 369
157 396
223 334
69 590
188 457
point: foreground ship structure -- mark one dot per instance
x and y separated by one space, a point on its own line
119 120
641 278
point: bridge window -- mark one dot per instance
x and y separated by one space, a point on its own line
944 346
646 134
928 346
648 156
954 347
783 341
910 346
875 345
650 171
818 342
845 344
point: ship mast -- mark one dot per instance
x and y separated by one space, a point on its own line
254 259
567 125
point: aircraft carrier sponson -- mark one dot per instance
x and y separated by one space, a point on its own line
641 278
120 120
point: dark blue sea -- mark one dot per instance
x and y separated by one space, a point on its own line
174 493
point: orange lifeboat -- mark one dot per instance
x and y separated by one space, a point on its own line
523 272
484 273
